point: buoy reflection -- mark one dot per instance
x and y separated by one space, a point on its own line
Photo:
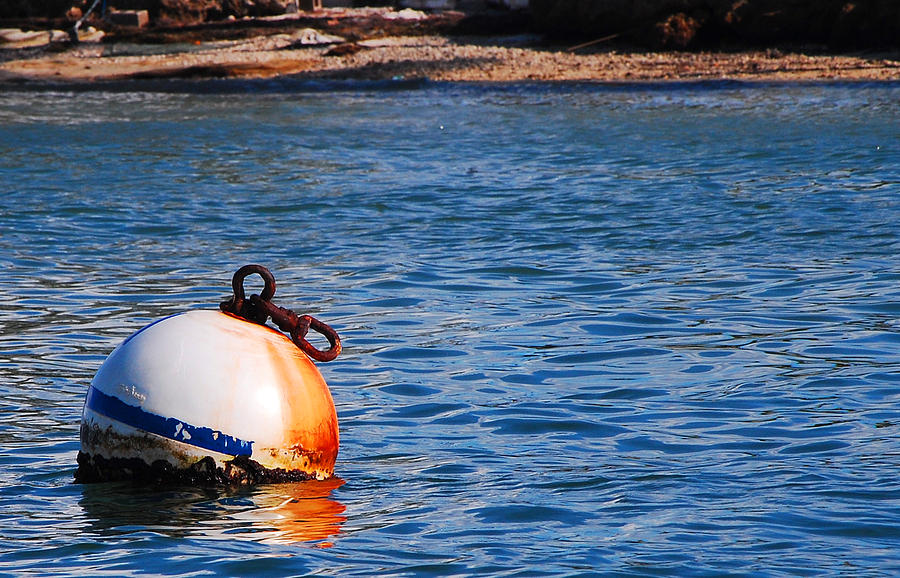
288 513
291 513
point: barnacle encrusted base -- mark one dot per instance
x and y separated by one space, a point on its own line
240 471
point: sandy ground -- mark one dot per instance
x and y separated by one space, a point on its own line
435 57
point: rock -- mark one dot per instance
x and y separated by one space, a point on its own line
312 37
74 14
676 31
345 49
14 38
405 14
90 34
307 37
133 18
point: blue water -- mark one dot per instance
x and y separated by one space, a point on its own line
632 330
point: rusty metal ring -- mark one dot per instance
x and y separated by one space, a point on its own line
237 282
258 309
298 336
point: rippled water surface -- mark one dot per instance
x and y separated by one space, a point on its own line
645 330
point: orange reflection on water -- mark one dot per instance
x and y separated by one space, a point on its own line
300 512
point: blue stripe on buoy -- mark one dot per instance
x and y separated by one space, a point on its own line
168 427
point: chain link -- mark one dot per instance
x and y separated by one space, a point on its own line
259 308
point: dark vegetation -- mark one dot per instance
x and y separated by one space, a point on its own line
204 20
656 24
680 24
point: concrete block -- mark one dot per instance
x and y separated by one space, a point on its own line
135 18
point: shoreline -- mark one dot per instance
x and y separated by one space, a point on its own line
342 49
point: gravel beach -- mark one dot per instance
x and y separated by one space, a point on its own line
293 49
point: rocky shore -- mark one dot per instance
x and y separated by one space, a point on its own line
386 43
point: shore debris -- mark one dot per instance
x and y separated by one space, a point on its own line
15 38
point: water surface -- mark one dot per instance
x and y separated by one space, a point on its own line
637 330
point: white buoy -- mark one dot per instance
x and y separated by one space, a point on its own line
207 384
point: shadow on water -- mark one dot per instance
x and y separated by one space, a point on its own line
404 81
272 514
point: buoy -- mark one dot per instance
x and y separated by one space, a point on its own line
213 396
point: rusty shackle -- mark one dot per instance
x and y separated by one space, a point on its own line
259 308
